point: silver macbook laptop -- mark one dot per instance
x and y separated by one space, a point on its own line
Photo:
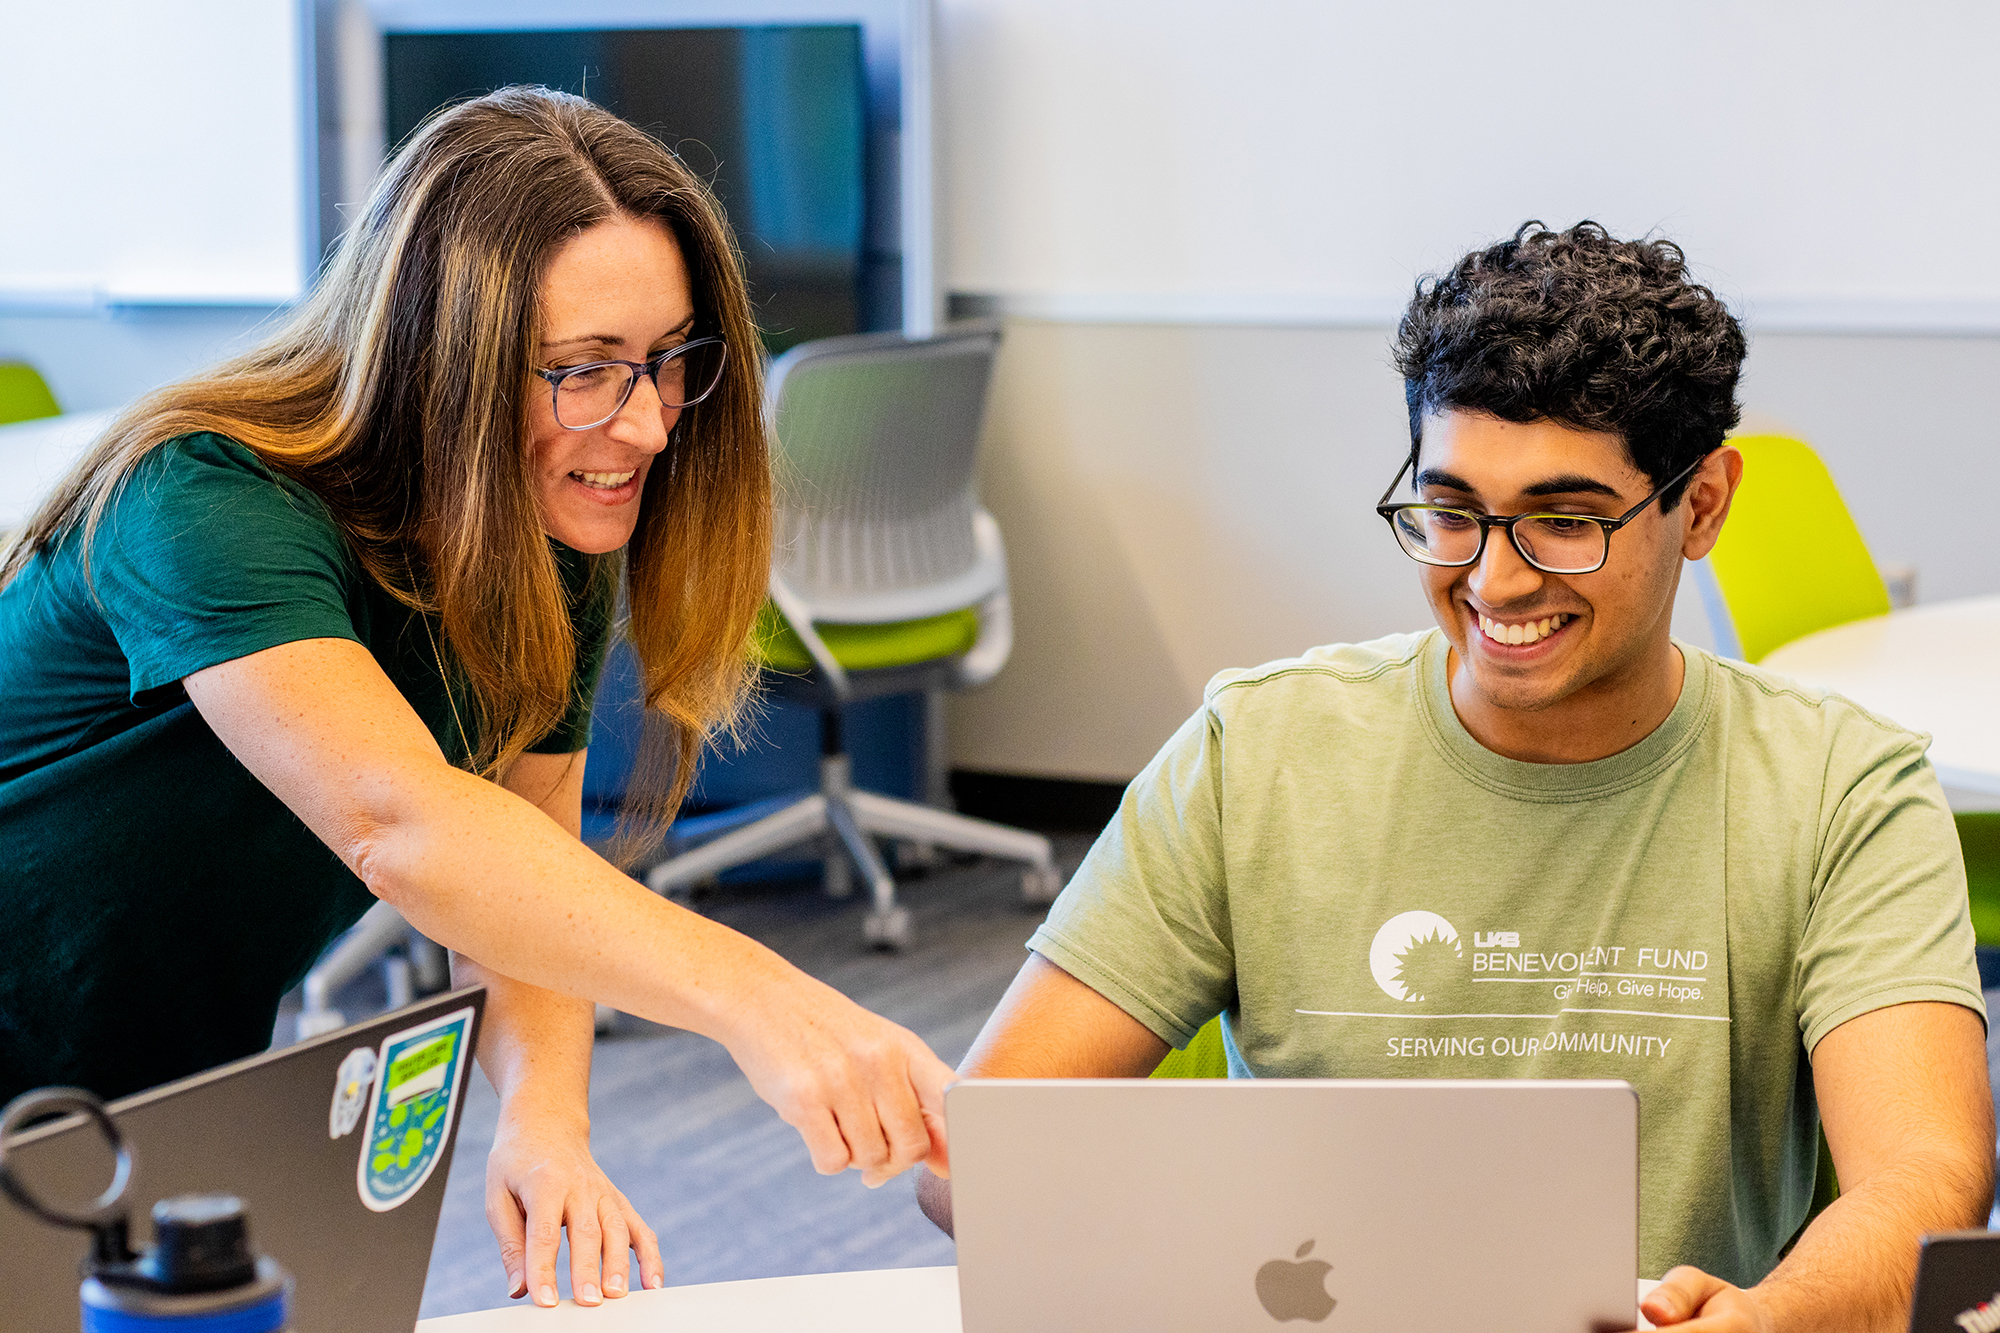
1104 1205
338 1146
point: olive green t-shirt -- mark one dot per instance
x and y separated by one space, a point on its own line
156 900
1324 855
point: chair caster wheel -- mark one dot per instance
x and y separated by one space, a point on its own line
319 1022
1040 885
887 930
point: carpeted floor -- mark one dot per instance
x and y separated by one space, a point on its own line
724 1182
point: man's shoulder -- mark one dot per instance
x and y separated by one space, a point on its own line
1332 667
1809 724
1347 685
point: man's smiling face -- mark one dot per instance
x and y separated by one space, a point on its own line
1526 640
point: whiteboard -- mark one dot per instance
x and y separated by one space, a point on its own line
154 153
1826 165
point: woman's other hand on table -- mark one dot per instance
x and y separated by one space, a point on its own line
540 1181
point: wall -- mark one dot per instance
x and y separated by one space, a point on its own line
1180 499
1261 161
104 360
155 153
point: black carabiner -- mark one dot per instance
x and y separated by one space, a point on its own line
108 1223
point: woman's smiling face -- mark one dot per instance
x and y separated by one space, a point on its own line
618 291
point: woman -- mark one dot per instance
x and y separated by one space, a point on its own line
322 626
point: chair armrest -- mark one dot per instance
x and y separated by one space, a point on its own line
799 617
995 644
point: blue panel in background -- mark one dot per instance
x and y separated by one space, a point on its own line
778 756
774 118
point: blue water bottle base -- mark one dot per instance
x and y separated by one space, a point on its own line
107 1310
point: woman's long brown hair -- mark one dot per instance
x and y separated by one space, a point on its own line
396 393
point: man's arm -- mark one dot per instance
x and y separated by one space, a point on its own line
1048 1025
1908 1111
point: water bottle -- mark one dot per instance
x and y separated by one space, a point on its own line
201 1276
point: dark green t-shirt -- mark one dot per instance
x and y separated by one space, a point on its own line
157 899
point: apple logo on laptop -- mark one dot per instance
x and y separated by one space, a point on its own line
1295 1290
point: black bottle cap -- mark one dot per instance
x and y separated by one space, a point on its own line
201 1242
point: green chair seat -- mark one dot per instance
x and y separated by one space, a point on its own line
1204 1057
23 394
868 647
1979 837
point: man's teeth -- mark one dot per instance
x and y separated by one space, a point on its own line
606 480
1526 632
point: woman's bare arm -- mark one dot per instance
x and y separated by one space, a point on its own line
491 876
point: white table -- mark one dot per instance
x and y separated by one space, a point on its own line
1933 668
890 1300
35 454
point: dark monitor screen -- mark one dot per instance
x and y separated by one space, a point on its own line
772 117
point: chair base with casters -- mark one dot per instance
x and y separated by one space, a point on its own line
422 966
887 577
846 821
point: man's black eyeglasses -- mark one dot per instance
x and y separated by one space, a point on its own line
1451 537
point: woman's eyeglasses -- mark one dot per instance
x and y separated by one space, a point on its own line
590 395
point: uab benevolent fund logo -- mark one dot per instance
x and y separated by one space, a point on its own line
1415 956
1295 1290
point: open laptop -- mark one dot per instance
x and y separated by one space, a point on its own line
1958 1283
1222 1205
338 1146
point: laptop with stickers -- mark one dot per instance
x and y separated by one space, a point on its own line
338 1146
1240 1205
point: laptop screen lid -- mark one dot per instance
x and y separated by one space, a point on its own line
338 1146
1225 1205
1958 1283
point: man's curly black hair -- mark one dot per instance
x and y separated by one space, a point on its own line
1583 329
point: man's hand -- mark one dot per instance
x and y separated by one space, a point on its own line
1908 1112
541 1180
861 1091
1698 1303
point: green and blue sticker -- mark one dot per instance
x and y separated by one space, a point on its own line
418 1074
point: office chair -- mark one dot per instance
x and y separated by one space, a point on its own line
24 396
411 964
1790 561
1203 1057
888 577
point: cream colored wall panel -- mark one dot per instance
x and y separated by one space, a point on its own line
1177 500
1180 499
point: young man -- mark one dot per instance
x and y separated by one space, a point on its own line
1545 841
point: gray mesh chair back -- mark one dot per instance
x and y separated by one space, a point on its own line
879 521
878 437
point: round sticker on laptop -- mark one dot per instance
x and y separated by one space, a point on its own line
351 1087
418 1074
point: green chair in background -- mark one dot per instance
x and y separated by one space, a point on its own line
1979 836
1204 1057
1790 561
888 578
24 396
